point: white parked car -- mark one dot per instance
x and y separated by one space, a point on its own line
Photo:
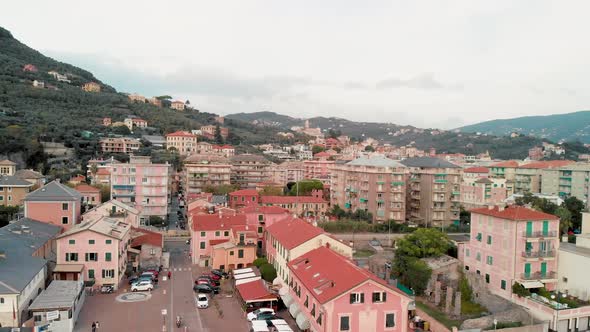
202 301
254 314
142 286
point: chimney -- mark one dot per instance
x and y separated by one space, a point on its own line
327 244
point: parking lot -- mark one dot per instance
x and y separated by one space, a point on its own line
157 311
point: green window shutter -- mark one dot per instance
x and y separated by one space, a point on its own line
72 241
529 228
503 284
86 256
109 241
107 256
489 239
545 227
91 274
544 269
241 253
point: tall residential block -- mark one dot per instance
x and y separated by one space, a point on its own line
202 171
247 170
571 180
376 185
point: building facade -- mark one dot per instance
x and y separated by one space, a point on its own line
183 141
376 185
91 87
143 185
434 191
7 167
571 180
528 177
202 171
13 190
247 170
119 145
54 203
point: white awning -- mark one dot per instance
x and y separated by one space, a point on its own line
283 328
294 309
277 322
240 271
287 299
247 280
284 290
531 284
244 275
302 321
260 328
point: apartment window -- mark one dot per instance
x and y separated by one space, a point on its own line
306 303
487 278
202 245
38 318
108 241
319 320
240 253
71 256
503 284
259 229
466 267
467 253
226 233
260 217
1 300
478 257
108 273
489 239
217 233
231 253
1 197
344 323
64 206
202 234
9 198
91 274
490 260
107 256
72 241
379 297
357 298
389 320
64 220
91 257
90 241
478 237
313 310
143 180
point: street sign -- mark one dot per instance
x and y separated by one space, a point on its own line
52 315
164 312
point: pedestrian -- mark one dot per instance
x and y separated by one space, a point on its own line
93 326
97 325
169 274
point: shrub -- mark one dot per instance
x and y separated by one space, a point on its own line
268 272
259 262
519 290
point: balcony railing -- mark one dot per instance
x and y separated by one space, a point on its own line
538 275
540 234
538 254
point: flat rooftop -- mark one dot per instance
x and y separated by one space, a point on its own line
61 294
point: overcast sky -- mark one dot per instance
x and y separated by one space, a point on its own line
425 63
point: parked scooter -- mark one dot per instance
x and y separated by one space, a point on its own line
107 289
178 321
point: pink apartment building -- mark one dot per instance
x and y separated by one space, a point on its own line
143 185
90 194
261 217
331 293
54 203
236 252
512 244
483 191
94 250
319 167
243 198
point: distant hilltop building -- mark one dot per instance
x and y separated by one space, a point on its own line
91 87
314 132
177 105
59 77
30 68
155 101
136 97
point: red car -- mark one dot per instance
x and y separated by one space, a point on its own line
155 272
214 276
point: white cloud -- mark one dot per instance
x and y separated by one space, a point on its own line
426 63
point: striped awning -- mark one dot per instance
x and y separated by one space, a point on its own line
287 299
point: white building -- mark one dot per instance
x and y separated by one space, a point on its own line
574 263
58 306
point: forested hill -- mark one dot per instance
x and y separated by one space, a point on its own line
63 112
556 127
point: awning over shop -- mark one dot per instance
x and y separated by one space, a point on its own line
247 280
134 251
287 299
284 290
531 284
240 271
302 321
294 309
68 268
255 291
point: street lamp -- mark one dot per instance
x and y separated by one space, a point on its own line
495 323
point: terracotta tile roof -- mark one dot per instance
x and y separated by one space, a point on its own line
214 242
290 199
181 133
322 154
146 237
103 171
508 163
547 164
86 188
244 192
214 222
264 209
292 232
326 274
515 213
254 291
78 178
479 169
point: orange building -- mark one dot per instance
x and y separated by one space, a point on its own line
91 87
183 141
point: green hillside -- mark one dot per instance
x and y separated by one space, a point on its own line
558 127
29 115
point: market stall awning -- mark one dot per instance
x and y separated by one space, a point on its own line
287 299
294 309
531 284
255 291
302 321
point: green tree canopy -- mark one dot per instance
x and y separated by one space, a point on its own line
304 187
369 148
268 272
424 242
317 149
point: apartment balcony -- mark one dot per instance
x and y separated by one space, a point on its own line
535 255
552 275
124 186
541 234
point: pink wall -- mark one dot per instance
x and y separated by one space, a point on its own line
196 239
53 212
91 198
230 262
82 246
243 200
367 316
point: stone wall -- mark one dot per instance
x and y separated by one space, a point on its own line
435 326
